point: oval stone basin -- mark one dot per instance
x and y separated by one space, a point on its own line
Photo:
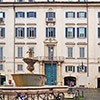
29 79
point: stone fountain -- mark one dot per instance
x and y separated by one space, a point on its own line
29 79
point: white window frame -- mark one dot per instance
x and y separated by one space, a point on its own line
81 32
20 67
70 15
31 32
2 32
50 32
70 52
1 67
82 52
1 53
20 14
70 32
20 32
50 15
20 51
20 0
70 68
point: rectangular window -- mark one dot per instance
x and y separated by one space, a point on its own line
1 67
66 68
70 0
69 32
31 0
1 0
81 0
2 32
82 52
50 32
31 32
98 14
99 69
98 32
2 14
1 53
81 15
70 14
50 0
81 32
31 14
70 52
50 15
20 14
20 51
70 68
81 69
19 67
20 0
50 52
20 32
78 68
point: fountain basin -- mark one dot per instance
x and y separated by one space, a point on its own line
29 79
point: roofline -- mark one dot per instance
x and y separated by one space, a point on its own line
52 4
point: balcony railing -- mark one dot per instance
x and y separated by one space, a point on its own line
52 20
2 58
54 59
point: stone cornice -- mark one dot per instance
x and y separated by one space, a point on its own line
81 43
50 4
2 43
31 43
33 24
81 23
69 43
19 43
69 23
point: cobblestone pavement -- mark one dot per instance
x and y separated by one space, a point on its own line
90 94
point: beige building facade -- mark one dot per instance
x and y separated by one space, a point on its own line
64 36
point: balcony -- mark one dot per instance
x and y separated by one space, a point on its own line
98 59
50 20
1 21
53 59
2 59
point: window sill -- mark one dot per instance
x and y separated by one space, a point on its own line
2 37
81 37
2 61
82 72
19 57
31 37
70 72
70 58
70 37
81 58
19 71
19 37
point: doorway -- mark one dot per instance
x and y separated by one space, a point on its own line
70 81
98 82
3 79
50 72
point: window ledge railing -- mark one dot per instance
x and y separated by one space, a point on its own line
55 59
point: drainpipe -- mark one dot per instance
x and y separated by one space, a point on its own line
87 40
14 40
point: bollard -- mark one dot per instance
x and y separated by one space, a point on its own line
82 94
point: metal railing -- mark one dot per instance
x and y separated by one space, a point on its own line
47 58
